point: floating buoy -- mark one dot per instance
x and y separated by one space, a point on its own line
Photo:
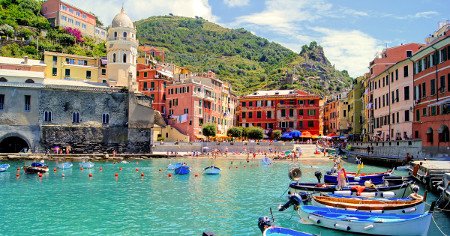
40 175
63 175
116 174
54 169
196 174
81 168
137 169
137 162
101 168
120 168
18 168
90 175
244 166
17 175
236 167
229 167
160 170
169 175
142 174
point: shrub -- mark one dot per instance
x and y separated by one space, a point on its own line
235 132
255 133
209 130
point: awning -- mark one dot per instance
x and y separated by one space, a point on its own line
315 136
438 103
442 129
306 134
199 136
221 136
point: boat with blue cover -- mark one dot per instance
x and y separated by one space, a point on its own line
212 170
36 167
87 165
64 165
174 166
182 170
266 161
278 231
4 167
376 178
365 222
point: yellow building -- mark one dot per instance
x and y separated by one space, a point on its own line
72 67
355 105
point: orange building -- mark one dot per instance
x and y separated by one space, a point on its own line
153 83
432 92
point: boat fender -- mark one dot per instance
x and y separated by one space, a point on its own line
314 219
351 209
373 194
409 210
341 227
264 223
357 178
343 192
368 227
377 211
387 194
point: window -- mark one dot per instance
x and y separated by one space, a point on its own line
105 119
48 116
393 119
2 101
433 110
396 74
54 71
406 92
282 102
124 34
64 18
311 102
269 114
300 124
406 115
103 71
258 114
152 85
114 57
417 115
442 84
392 97
67 73
77 23
83 26
291 112
283 113
243 115
300 102
300 112
84 16
250 115
310 123
144 86
82 62
115 35
88 74
405 71
312 112
409 53
424 90
75 117
77 13
27 102
63 7
433 87
424 112
397 97
250 104
124 58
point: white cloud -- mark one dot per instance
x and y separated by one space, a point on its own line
423 14
350 50
236 3
141 9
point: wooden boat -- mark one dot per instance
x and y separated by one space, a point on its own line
65 165
266 161
36 167
182 170
385 206
376 178
211 170
87 165
444 188
397 190
174 166
365 222
275 230
4 167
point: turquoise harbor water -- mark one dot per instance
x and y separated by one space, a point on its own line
229 204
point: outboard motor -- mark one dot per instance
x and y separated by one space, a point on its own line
318 175
264 223
415 188
294 199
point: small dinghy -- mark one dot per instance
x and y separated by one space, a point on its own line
376 178
266 161
87 165
174 166
385 206
211 170
266 227
36 167
365 222
65 165
182 170
4 167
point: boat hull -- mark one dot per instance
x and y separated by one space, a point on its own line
174 166
211 170
266 161
182 170
376 178
35 169
87 165
274 230
367 223
4 167
65 165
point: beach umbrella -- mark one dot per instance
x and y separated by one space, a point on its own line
295 133
286 135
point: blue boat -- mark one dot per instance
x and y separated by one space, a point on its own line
182 170
174 166
4 167
376 178
275 230
212 170
65 165
87 165
266 161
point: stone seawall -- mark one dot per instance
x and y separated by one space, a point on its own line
222 146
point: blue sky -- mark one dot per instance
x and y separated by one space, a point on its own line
351 32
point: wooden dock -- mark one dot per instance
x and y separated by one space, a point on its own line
429 172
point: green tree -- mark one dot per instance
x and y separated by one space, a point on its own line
209 130
276 134
235 132
255 132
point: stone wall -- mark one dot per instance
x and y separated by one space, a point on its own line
397 148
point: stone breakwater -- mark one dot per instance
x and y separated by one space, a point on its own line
79 157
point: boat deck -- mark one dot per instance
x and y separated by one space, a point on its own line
430 172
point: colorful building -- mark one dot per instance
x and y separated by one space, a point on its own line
71 67
152 53
432 92
153 83
355 105
21 70
63 15
280 110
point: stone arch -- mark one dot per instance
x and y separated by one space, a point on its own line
444 134
13 143
430 135
3 79
29 81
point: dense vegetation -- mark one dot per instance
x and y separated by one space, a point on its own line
236 55
21 19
